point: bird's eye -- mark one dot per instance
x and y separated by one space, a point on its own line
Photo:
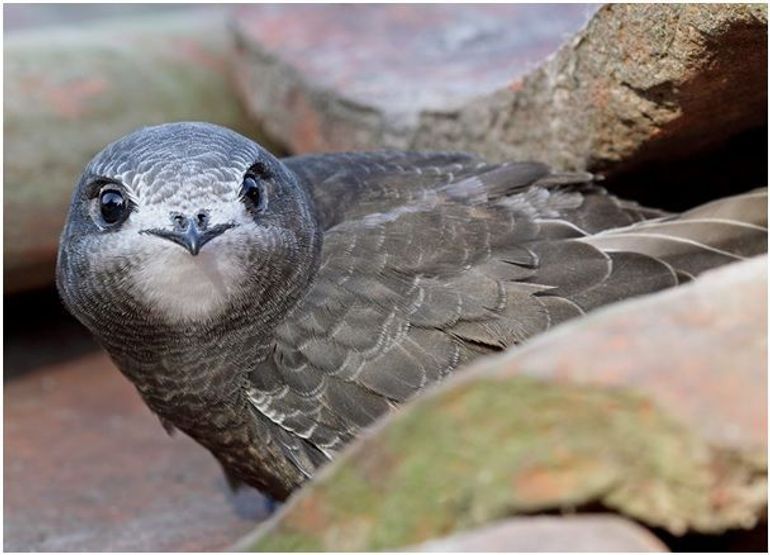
253 193
113 206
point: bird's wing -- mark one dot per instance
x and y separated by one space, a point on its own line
710 235
406 294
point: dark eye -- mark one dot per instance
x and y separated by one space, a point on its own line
113 206
253 193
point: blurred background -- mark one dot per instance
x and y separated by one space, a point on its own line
87 467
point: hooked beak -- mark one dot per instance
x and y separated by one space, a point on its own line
192 238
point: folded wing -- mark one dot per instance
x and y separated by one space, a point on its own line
472 263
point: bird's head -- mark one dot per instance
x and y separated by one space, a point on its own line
182 222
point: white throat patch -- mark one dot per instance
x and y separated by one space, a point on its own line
186 288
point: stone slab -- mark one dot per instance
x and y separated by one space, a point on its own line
638 83
548 534
334 77
87 467
700 351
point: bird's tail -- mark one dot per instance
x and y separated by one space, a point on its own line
713 234
584 273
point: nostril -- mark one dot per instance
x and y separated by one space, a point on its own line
179 221
202 219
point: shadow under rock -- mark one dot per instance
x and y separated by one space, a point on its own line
737 164
39 331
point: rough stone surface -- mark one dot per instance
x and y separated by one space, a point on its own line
69 91
351 77
655 408
640 82
547 534
699 351
18 17
88 468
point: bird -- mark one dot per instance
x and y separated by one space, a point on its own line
274 308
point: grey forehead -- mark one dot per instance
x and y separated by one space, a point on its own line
177 150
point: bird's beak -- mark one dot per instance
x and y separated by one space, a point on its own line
192 238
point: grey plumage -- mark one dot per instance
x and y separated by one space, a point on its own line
367 277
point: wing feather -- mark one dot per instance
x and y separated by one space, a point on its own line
431 260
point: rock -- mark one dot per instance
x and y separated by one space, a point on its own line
69 91
655 408
699 351
26 16
638 83
333 78
543 534
88 468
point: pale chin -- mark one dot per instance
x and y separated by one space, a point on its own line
182 288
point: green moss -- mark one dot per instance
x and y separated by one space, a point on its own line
492 448
289 541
